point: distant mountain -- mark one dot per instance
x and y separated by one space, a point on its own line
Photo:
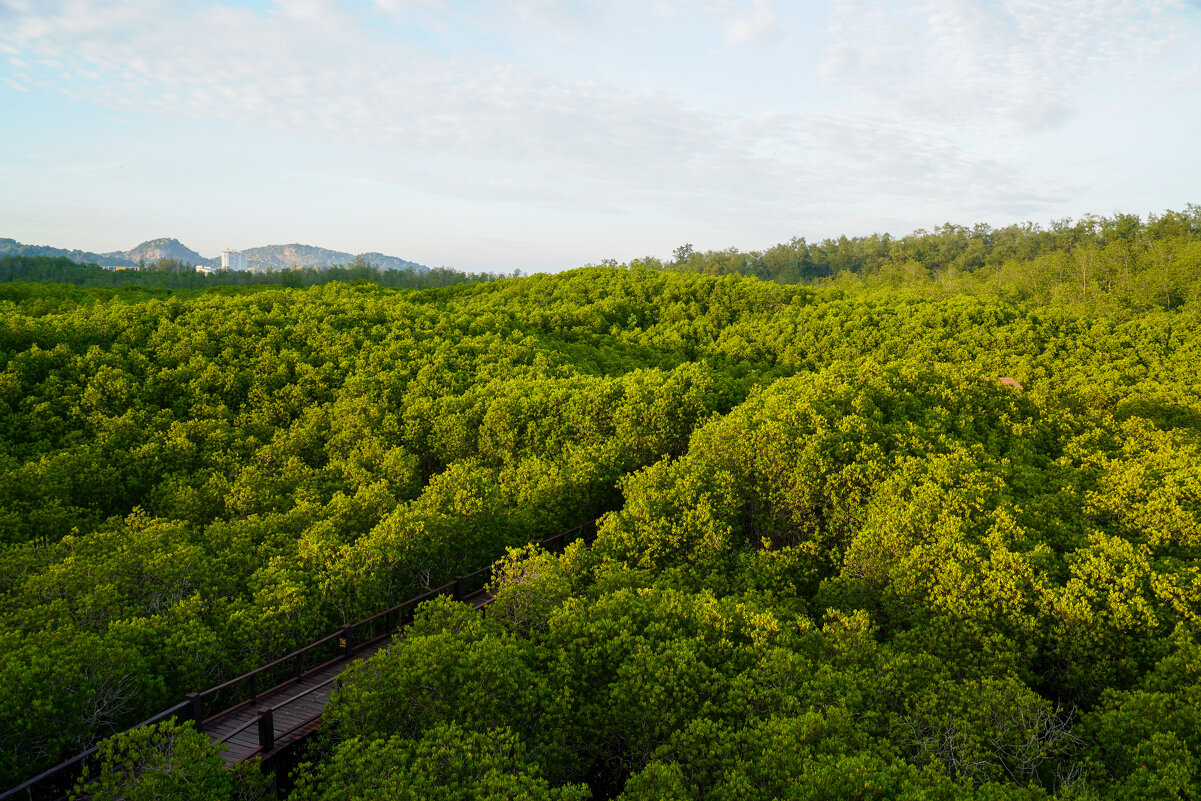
165 248
383 262
270 257
11 247
279 257
151 251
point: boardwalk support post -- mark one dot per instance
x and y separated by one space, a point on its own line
196 708
267 731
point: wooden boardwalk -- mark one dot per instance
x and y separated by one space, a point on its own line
272 723
296 709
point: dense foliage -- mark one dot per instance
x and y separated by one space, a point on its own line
838 558
869 580
192 487
174 274
1093 264
167 760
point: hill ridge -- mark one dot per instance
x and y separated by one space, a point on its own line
265 257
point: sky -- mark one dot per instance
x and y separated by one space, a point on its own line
546 134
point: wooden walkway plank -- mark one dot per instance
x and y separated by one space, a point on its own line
296 709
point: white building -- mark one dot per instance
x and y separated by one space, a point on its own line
233 260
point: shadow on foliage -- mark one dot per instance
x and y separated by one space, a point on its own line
1164 415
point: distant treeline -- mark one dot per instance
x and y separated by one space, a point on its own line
1122 261
174 274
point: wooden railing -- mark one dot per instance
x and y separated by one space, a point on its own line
341 645
467 588
58 782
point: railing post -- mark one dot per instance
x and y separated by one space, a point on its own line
254 686
347 643
267 731
458 590
196 708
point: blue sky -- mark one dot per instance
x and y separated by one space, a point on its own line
544 134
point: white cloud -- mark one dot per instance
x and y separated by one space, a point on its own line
756 27
737 22
559 16
1017 65
935 89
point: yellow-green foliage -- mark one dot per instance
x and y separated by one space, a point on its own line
837 557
